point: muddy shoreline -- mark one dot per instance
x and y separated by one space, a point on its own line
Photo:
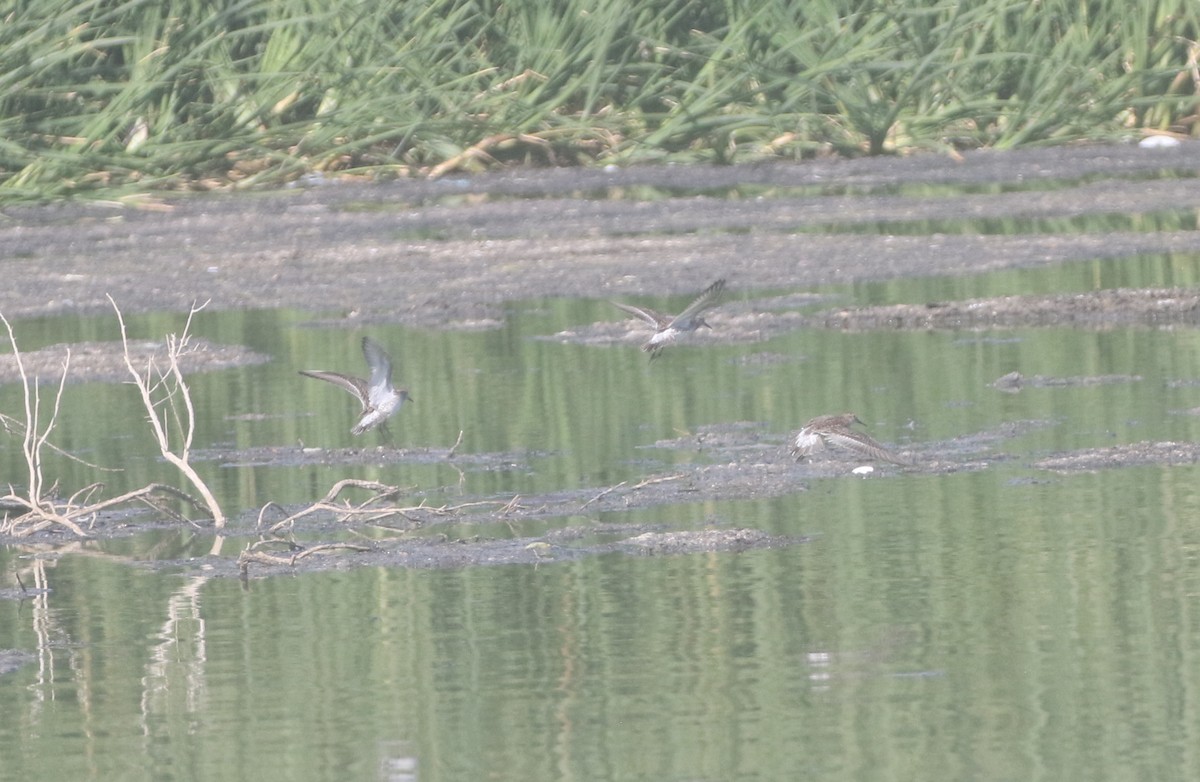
449 254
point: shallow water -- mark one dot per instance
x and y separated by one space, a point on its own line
1007 623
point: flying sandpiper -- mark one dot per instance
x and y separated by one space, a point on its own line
379 398
833 431
666 327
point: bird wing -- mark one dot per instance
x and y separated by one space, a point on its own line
709 298
379 362
354 385
862 444
655 319
807 443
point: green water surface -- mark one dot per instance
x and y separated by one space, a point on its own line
1003 624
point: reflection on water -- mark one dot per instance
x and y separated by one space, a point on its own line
989 631
573 416
1007 623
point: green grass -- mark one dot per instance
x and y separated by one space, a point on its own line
124 97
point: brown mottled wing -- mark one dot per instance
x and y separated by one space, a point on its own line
709 298
861 444
354 385
655 319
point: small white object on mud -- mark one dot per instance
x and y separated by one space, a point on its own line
1159 142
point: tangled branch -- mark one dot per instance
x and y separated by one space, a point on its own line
166 388
37 507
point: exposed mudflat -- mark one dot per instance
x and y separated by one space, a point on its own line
88 362
450 253
447 253
373 524
1095 309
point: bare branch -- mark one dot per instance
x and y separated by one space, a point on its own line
13 426
41 509
32 442
174 394
609 490
453 448
664 479
251 554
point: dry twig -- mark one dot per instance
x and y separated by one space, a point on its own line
453 448
39 509
607 491
664 479
251 554
176 399
345 512
480 150
34 498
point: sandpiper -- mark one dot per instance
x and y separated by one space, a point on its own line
668 328
380 399
828 431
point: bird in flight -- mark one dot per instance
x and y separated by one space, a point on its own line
667 328
379 398
834 431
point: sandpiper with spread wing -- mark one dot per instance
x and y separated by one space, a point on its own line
667 328
379 398
834 431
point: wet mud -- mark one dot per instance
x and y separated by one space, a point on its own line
1093 310
450 254
396 526
89 362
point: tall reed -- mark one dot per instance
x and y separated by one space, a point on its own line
140 94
